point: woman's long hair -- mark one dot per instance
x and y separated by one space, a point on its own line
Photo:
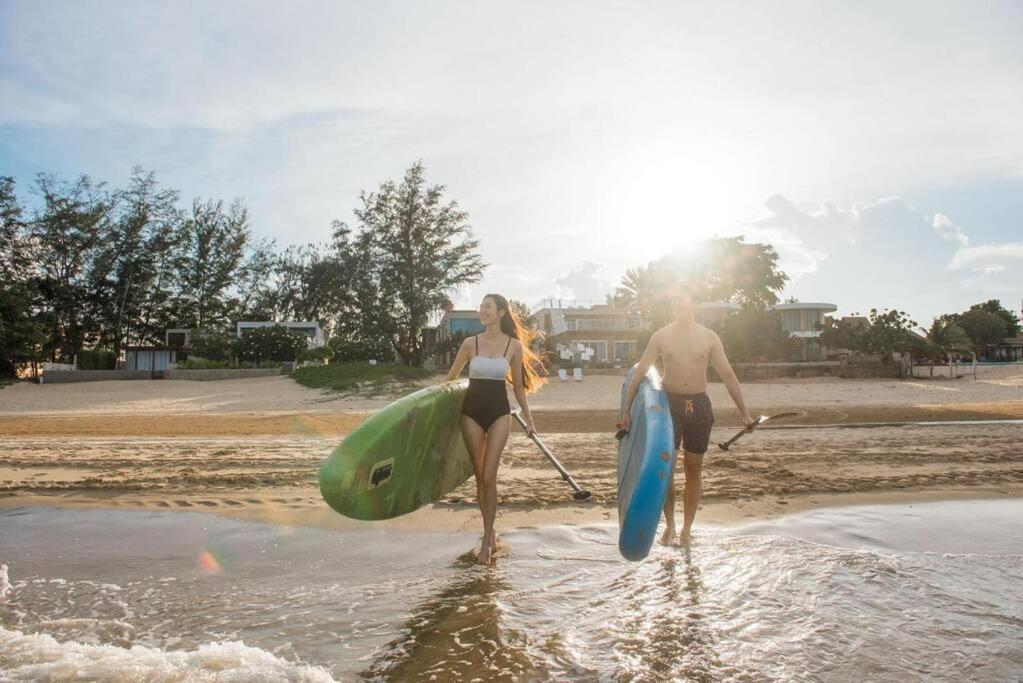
532 365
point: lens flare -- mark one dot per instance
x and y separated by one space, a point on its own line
208 563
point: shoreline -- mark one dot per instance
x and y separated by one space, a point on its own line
276 508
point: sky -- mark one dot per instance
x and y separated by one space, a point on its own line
877 145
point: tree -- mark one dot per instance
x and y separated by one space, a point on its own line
944 338
890 331
845 334
752 335
21 334
424 249
995 306
127 266
69 230
521 312
727 268
211 248
983 329
639 287
730 270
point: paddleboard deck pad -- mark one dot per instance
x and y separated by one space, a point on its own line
405 456
646 455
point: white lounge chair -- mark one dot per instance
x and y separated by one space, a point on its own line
577 374
563 374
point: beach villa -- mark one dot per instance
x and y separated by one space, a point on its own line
614 334
802 320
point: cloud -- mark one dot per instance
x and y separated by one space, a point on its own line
582 283
989 258
949 231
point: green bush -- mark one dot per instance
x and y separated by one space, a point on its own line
320 354
96 359
348 349
276 343
213 345
362 377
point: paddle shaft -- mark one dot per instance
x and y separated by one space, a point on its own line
756 423
580 493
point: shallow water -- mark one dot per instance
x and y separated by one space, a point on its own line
881 593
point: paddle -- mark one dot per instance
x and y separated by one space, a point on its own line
756 423
579 493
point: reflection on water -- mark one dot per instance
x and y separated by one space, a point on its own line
313 605
458 633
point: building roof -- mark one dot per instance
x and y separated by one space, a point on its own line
804 305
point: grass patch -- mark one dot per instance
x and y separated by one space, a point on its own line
361 379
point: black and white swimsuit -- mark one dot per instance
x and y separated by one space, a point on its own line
487 398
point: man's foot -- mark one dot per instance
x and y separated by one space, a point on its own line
495 546
685 537
668 537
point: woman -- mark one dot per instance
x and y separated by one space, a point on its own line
495 356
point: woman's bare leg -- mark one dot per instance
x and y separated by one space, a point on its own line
497 437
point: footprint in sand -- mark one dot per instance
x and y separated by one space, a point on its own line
162 504
182 503
208 503
252 501
232 502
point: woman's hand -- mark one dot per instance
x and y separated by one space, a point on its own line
530 429
748 422
625 421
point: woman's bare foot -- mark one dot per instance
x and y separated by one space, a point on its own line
485 554
668 537
685 537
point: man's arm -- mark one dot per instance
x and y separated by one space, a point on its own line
724 369
649 357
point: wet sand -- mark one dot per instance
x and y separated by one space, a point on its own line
252 448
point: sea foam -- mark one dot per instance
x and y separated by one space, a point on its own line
37 656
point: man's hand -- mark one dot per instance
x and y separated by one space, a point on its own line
749 422
530 429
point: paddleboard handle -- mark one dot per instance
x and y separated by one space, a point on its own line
578 492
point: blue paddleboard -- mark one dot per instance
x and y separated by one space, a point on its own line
645 458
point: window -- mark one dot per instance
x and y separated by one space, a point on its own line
599 350
469 326
625 351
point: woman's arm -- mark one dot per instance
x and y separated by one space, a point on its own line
461 358
724 369
520 390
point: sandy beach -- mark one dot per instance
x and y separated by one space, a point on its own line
252 448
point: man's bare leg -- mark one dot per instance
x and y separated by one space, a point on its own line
668 537
691 496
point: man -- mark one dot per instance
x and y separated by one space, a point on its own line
685 347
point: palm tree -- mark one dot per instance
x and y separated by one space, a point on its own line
638 288
945 338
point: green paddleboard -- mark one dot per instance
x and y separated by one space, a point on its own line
407 455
